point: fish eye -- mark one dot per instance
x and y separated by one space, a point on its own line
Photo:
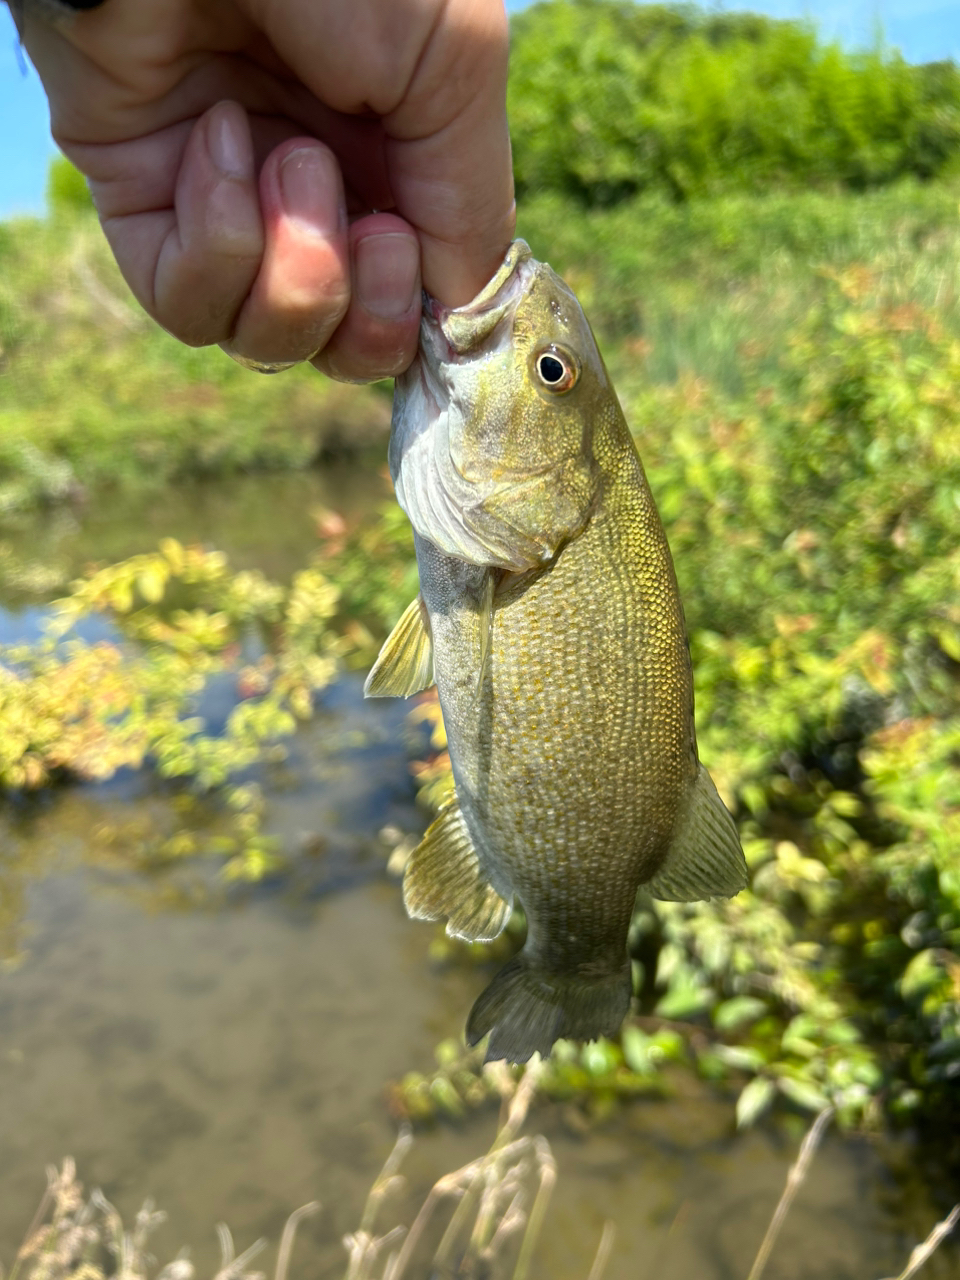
556 369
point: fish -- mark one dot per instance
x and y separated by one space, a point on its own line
550 620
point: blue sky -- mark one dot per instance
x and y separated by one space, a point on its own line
923 29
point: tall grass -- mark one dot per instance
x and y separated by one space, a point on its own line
94 394
713 289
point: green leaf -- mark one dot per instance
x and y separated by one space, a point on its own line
740 1057
804 1093
152 580
600 1057
737 1012
668 1045
755 1098
684 1001
636 1051
921 975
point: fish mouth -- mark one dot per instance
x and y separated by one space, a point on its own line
449 335
455 336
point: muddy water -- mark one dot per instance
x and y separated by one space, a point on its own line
227 1054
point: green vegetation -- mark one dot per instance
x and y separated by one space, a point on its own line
78 710
609 99
67 190
94 396
794 392
790 363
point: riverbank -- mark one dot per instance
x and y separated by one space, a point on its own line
95 398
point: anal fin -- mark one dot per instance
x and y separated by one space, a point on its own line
443 878
705 858
405 663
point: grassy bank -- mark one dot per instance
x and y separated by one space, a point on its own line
94 395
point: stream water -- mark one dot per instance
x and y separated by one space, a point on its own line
227 1055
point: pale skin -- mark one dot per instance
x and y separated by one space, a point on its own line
282 176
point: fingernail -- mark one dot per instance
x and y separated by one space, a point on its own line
311 191
388 274
228 142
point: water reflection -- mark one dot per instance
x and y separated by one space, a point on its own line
265 522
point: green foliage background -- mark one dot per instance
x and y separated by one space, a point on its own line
95 397
609 99
788 363
796 407
764 232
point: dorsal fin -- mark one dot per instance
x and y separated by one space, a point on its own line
705 858
443 878
405 663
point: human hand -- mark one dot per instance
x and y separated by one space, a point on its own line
276 175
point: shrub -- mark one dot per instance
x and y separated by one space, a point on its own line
610 98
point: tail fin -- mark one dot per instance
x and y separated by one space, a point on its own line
526 1009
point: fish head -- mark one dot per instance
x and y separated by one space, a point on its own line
492 450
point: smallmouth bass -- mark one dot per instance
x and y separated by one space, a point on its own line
550 620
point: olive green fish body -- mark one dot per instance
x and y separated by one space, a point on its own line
550 609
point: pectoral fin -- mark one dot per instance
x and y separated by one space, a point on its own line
443 878
405 663
705 858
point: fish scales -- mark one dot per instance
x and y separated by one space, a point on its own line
550 607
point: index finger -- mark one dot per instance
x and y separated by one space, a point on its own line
434 72
448 152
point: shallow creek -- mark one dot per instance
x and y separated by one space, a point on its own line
227 1054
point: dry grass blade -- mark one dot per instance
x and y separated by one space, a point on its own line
388 1178
604 1249
548 1178
71 1238
520 1102
234 1268
362 1246
513 1220
469 1195
795 1179
450 1184
489 1188
364 1250
467 1183
289 1235
53 1176
181 1268
54 1179
497 1187
933 1241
